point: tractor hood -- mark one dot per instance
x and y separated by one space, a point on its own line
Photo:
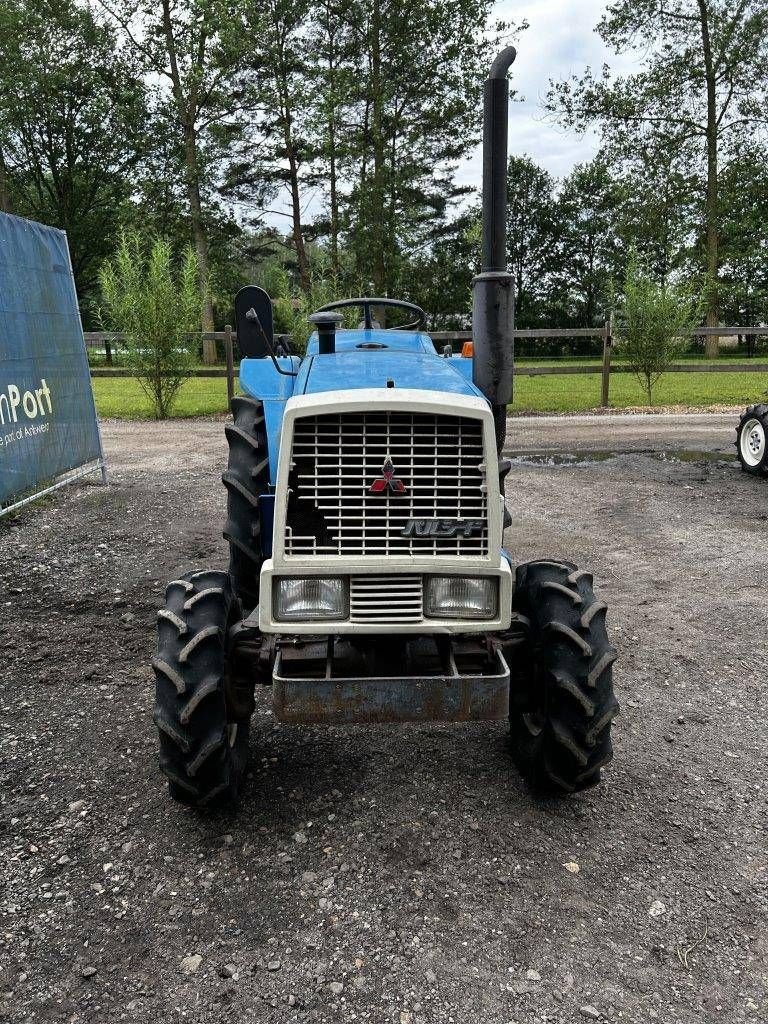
355 369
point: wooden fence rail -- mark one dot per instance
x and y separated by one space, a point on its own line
455 339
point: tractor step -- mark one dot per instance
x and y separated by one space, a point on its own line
320 684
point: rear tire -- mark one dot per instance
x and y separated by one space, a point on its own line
246 480
202 718
562 701
752 440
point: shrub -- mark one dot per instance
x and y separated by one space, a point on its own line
654 325
157 307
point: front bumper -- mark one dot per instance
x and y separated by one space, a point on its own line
385 616
322 683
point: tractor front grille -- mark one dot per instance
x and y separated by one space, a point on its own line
385 599
337 457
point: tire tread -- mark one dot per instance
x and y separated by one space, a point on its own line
191 714
246 479
563 704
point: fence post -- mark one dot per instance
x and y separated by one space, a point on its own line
107 352
607 345
230 363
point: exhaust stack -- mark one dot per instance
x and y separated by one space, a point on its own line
493 299
326 324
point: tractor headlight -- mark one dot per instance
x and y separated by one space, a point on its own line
461 597
310 599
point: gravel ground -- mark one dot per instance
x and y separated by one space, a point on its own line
392 874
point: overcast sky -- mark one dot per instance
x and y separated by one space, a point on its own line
561 41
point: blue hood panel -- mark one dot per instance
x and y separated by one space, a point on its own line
354 369
397 341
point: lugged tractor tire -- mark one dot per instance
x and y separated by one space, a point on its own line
752 440
562 702
246 479
203 737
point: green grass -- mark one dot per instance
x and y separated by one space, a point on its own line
123 398
685 357
579 392
206 396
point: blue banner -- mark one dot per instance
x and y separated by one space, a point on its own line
48 424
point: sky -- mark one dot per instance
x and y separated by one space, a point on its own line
560 41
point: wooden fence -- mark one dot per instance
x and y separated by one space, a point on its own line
456 339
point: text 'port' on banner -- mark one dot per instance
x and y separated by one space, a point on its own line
49 432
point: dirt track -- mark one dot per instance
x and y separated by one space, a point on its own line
393 874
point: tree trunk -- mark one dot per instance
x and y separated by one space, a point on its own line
186 111
391 233
589 294
5 197
711 215
332 155
199 238
333 176
589 307
519 294
376 208
297 230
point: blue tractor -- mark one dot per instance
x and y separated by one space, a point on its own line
368 581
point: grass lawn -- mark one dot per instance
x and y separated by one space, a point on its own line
207 396
685 357
123 398
573 393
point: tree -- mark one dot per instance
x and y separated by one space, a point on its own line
744 198
588 255
71 113
416 105
366 107
654 324
157 308
531 211
702 83
333 46
189 47
278 82
658 207
439 278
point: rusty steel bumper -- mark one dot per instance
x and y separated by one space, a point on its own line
461 690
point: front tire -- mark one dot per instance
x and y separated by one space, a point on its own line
562 701
246 480
201 713
752 440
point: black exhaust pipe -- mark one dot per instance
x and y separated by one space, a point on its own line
493 300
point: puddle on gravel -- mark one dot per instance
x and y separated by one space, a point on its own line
541 458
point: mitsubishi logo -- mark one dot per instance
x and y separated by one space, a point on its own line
387 482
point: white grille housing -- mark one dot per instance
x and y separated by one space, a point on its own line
335 457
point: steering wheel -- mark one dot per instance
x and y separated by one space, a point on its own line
367 302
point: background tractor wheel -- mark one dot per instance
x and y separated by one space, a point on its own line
202 713
562 701
246 479
752 440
